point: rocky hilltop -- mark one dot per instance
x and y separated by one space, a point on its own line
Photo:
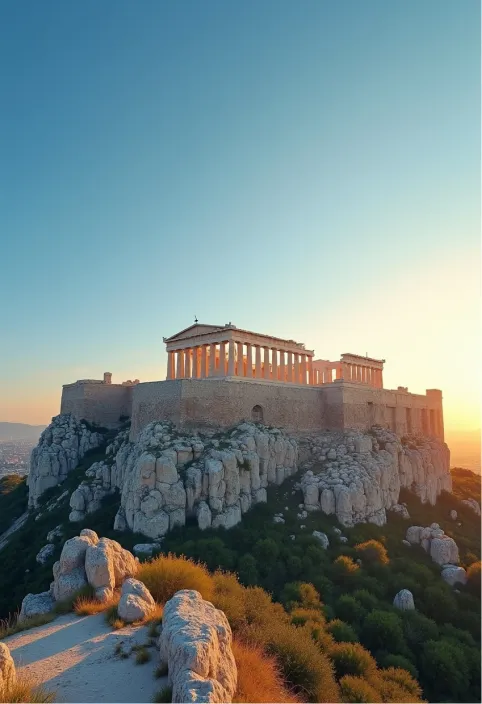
166 477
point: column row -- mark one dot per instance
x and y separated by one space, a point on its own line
362 374
232 358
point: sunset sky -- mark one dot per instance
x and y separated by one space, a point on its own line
304 169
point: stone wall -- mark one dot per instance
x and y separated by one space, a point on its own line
190 403
97 402
348 405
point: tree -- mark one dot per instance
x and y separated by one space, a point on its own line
382 630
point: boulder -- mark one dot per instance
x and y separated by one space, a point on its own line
472 503
444 550
136 602
36 605
91 534
66 585
453 514
413 535
195 642
322 538
45 553
8 675
404 600
454 575
107 565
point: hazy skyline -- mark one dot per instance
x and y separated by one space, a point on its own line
309 170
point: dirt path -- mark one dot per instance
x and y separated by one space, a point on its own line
74 657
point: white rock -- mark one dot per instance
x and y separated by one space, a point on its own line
472 503
145 549
453 514
454 575
91 534
54 533
444 551
36 605
404 600
195 642
8 675
136 602
45 553
322 538
414 535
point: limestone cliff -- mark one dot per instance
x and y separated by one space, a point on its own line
358 476
60 448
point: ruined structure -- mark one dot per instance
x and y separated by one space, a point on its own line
218 376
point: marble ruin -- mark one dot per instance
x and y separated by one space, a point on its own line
220 376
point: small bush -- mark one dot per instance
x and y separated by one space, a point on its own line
344 567
25 690
352 659
167 574
382 630
68 605
349 609
356 689
142 656
473 578
372 552
342 632
398 661
418 629
403 679
112 618
229 596
161 670
367 600
301 616
259 676
86 606
163 696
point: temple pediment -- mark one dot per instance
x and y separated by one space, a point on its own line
193 331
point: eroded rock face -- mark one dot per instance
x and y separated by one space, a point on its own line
45 553
35 605
195 642
107 565
359 476
136 602
60 448
164 478
8 675
472 503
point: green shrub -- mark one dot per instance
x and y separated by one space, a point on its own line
348 609
163 696
142 656
342 632
397 661
372 552
439 603
417 629
247 570
352 659
368 600
445 671
357 689
473 578
382 630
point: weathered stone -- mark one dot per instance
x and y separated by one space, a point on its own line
36 605
136 602
454 575
8 675
195 642
45 553
204 516
444 551
404 600
322 538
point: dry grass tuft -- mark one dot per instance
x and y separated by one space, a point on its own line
112 618
9 626
88 606
167 574
163 695
259 677
25 690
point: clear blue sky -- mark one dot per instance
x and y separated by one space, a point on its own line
308 169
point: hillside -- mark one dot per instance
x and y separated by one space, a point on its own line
20 431
349 574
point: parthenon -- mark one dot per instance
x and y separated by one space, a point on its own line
204 351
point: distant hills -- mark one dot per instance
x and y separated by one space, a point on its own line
20 431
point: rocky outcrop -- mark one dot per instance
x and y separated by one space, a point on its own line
358 476
85 560
8 675
454 575
442 549
60 448
404 600
136 602
45 553
472 503
164 477
195 642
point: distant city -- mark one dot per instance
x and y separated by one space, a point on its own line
17 441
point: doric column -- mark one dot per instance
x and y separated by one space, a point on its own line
231 358
204 355
170 365
381 379
258 362
290 366
240 360
187 363
212 359
327 375
303 369
266 363
297 368
195 362
222 359
282 370
180 364
311 374
274 363
345 371
249 362
338 373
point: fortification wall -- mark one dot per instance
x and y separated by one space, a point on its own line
362 406
225 402
96 402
